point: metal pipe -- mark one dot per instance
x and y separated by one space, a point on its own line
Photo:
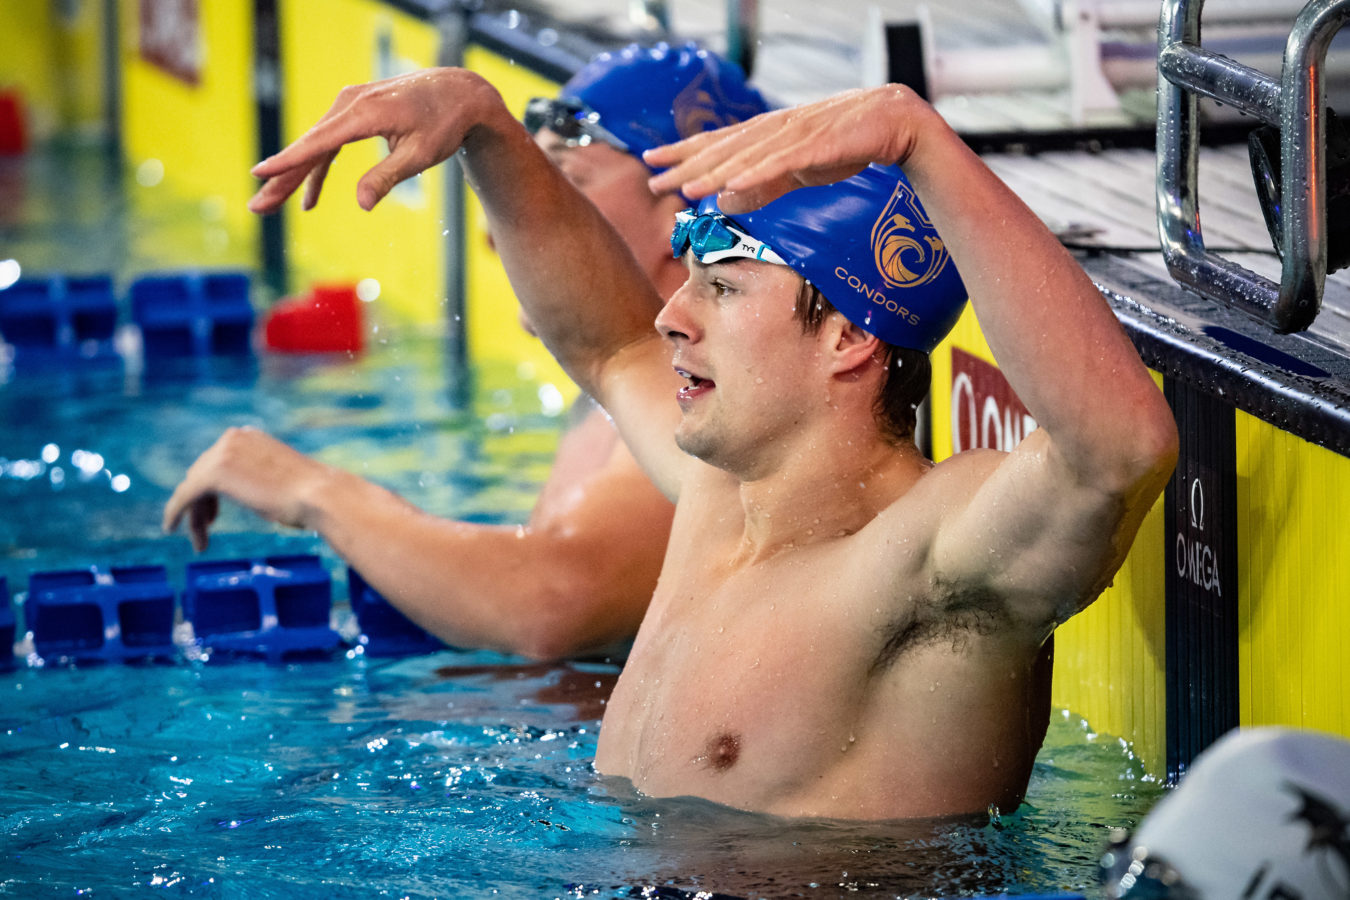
1144 13
743 33
1178 141
1293 304
453 25
1303 163
649 15
1202 72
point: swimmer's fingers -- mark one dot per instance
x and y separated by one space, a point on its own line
760 160
314 181
700 165
201 510
424 116
275 190
309 156
201 515
406 159
344 123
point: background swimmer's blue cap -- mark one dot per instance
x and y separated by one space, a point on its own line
869 247
651 96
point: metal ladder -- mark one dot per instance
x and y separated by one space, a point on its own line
1294 104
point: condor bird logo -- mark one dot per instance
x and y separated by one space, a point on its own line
702 106
905 257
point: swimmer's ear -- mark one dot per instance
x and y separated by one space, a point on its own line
851 347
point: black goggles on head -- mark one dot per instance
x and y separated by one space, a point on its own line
573 121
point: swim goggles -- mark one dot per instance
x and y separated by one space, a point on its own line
573 121
714 238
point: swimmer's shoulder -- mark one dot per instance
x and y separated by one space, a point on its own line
941 489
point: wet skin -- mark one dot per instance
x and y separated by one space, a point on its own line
783 677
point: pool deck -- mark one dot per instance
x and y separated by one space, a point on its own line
1101 200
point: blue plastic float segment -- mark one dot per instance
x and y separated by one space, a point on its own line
277 606
193 313
7 624
61 318
126 612
384 630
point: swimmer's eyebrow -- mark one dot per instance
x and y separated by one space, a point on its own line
730 263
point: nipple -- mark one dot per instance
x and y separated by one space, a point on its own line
723 751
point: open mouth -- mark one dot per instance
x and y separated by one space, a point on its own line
696 385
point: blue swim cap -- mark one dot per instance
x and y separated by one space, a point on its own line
869 247
650 96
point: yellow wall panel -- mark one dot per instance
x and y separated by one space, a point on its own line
1109 659
399 244
28 62
53 55
195 141
1294 586
493 334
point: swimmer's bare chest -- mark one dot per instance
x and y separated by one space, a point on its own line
776 686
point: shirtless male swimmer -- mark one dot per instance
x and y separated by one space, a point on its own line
841 628
579 576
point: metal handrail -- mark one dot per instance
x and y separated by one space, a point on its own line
743 33
649 15
1295 104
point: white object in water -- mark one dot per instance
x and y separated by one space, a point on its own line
1264 813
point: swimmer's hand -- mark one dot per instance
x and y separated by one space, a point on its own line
425 116
253 469
757 161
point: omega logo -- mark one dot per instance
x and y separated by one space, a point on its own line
1197 505
1196 562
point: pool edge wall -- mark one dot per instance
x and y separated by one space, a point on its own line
404 245
55 58
189 125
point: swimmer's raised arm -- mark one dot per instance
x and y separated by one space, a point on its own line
1046 526
575 277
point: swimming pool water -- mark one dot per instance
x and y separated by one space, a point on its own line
448 775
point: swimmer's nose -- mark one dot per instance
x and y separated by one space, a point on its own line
674 320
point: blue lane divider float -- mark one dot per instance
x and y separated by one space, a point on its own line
118 613
384 630
7 626
193 313
277 606
59 318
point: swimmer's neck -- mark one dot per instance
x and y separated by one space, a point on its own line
824 496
